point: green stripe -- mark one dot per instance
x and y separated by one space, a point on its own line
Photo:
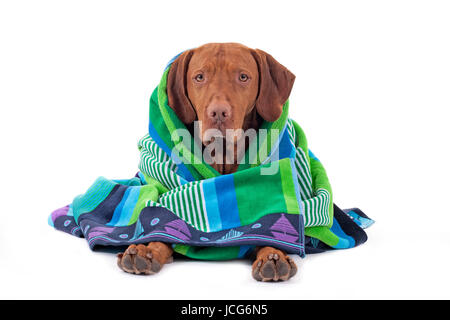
265 190
288 187
147 192
208 253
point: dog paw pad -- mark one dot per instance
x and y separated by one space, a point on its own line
273 265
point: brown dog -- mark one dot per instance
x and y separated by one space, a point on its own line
222 86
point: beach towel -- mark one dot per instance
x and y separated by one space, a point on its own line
280 196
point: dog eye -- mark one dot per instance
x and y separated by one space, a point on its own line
199 77
243 77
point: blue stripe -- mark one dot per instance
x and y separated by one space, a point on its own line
286 147
345 241
312 156
212 206
364 223
118 211
172 60
50 221
275 148
128 206
227 201
243 250
142 177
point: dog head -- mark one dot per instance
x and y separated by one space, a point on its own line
222 85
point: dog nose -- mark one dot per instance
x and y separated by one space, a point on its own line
219 112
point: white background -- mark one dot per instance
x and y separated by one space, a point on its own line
372 94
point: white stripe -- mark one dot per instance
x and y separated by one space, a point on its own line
183 197
205 213
199 209
301 163
304 184
194 206
302 158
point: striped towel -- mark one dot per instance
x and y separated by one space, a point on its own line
280 198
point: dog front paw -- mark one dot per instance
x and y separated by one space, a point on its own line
141 259
273 265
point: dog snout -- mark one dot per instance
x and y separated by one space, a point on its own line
219 112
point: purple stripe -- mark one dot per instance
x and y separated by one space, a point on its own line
102 229
59 212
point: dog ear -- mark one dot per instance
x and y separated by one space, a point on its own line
275 85
176 88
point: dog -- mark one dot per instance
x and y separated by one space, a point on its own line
222 86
